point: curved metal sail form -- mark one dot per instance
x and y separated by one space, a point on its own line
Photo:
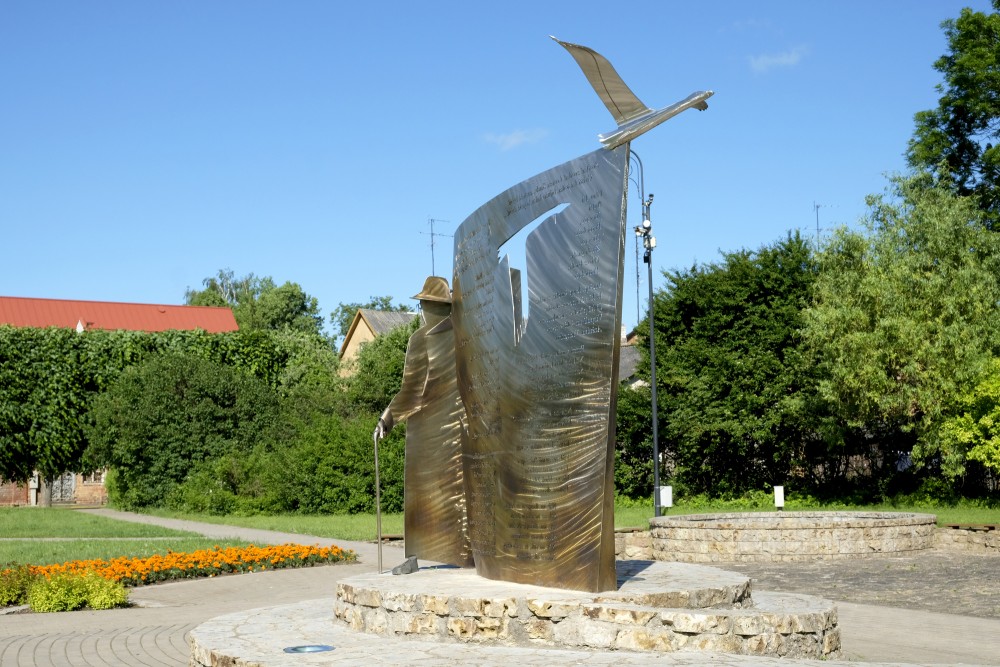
540 392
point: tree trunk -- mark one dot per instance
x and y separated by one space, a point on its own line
44 491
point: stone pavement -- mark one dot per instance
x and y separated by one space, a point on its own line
154 633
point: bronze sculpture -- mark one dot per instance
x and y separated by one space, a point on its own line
540 390
435 526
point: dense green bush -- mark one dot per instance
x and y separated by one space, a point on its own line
168 415
15 580
327 468
49 379
69 592
634 444
733 379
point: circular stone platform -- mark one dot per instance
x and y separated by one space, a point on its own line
788 536
657 607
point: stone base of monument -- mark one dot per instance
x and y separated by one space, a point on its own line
659 606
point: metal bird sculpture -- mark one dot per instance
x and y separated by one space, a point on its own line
633 117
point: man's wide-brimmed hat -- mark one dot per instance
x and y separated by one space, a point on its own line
435 289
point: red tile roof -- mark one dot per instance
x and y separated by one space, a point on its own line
25 312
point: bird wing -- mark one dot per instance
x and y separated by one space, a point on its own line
617 97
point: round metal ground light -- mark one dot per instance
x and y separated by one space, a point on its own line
309 648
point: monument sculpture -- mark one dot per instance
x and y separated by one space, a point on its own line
434 517
538 388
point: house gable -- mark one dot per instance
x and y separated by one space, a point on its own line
367 325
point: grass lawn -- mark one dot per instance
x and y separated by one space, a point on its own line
61 522
361 527
356 527
85 537
132 539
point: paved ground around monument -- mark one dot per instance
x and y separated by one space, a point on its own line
945 609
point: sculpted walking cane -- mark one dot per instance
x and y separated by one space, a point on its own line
433 492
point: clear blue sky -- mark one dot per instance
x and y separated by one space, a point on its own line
146 145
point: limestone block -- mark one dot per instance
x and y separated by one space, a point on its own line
669 599
802 646
498 607
434 604
640 539
766 644
578 631
377 621
550 608
597 634
491 628
467 606
721 547
749 625
638 552
710 597
539 630
355 619
345 592
462 628
720 643
415 624
718 624
831 642
620 614
646 639
395 601
810 623
367 597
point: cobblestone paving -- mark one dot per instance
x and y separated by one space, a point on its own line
939 580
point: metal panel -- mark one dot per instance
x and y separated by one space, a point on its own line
540 391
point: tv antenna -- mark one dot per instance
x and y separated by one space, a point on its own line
816 208
432 234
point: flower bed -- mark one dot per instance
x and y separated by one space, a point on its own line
203 563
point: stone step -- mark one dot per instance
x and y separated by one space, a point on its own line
658 607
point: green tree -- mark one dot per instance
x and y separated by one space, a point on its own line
634 444
258 303
378 370
731 371
343 315
961 133
169 414
972 433
45 391
905 317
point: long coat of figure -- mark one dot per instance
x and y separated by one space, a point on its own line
435 519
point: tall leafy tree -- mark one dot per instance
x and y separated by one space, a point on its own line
45 390
259 303
961 133
972 433
733 379
907 312
166 415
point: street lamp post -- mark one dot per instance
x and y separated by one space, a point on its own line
649 242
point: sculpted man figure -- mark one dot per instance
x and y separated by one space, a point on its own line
435 522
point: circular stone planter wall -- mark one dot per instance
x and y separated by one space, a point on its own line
788 536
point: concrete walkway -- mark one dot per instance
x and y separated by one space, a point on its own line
154 632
